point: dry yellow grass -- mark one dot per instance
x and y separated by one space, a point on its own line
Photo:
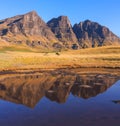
95 57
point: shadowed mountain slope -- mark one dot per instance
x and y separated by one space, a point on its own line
92 34
29 29
62 29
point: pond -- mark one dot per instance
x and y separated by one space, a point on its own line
60 98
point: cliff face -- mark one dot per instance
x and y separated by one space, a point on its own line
29 27
92 34
62 29
58 33
30 24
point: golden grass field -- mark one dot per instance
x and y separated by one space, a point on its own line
13 58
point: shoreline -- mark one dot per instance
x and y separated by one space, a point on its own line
39 70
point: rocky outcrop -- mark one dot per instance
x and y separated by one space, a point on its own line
30 27
62 29
92 34
58 33
30 24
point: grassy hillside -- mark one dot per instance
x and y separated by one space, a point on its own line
26 58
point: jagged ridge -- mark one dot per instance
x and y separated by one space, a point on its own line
31 30
92 34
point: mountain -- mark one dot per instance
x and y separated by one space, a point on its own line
29 29
92 34
62 29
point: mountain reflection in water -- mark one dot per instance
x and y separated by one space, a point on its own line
30 89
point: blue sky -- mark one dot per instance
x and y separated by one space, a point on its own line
105 12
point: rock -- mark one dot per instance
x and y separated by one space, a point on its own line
62 29
57 46
92 34
98 84
58 33
29 24
85 86
50 91
116 101
67 84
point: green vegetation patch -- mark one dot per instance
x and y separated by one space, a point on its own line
13 48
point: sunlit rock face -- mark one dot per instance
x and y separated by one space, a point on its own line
62 29
26 28
28 24
57 33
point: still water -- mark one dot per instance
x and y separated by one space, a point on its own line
60 98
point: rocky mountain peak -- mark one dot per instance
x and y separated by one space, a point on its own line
29 24
58 32
62 29
87 21
33 12
64 20
61 22
91 34
32 16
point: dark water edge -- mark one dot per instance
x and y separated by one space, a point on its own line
85 97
